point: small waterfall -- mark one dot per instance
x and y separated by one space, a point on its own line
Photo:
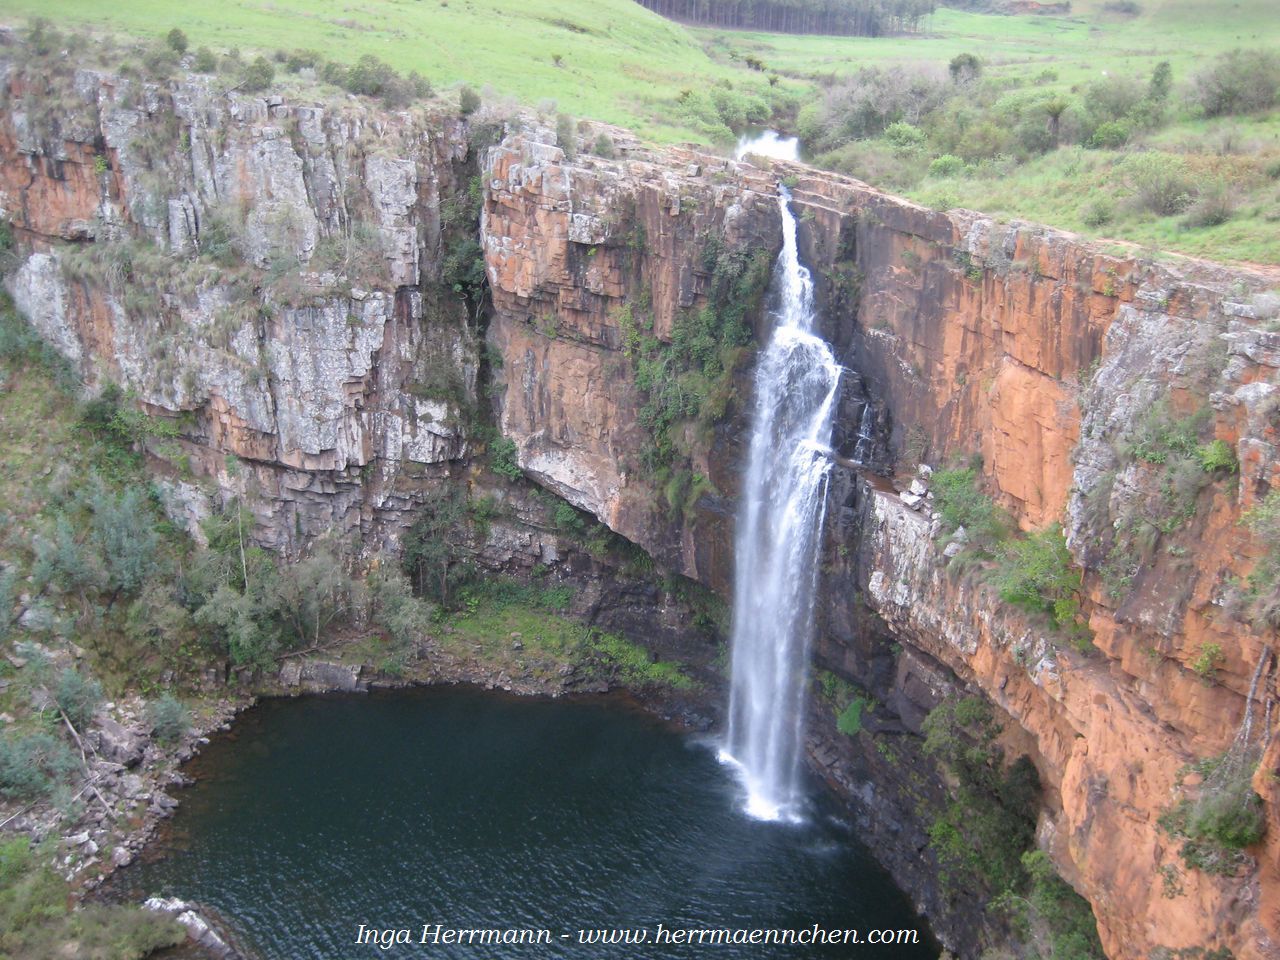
866 435
779 522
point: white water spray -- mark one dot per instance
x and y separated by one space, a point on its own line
779 522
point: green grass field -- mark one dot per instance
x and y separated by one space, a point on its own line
1063 54
1077 47
618 62
612 60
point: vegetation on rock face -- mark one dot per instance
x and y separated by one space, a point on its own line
963 504
846 701
687 383
1222 816
1035 571
985 836
1263 589
1038 573
525 628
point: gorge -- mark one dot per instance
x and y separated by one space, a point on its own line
408 287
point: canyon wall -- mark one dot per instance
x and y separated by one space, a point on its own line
294 288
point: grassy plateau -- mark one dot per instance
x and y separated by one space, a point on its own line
614 61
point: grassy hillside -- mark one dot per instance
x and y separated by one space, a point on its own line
1226 167
612 60
608 60
1078 47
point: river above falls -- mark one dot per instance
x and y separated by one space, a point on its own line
478 810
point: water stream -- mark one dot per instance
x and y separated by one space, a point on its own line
780 516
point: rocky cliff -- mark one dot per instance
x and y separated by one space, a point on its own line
296 289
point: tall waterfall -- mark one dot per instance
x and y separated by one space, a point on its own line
779 523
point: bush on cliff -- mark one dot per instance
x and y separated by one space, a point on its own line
985 837
1039 574
1221 817
991 818
256 75
962 504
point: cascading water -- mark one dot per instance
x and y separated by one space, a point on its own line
782 507
866 435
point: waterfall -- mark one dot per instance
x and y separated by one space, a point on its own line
866 434
776 560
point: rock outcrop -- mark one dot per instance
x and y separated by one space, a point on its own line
288 286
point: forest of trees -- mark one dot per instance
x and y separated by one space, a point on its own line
864 18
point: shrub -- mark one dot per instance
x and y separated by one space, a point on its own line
568 520
990 821
1224 816
849 722
177 41
1110 134
205 61
1215 205
33 765
946 165
1098 212
77 696
864 104
123 529
37 922
170 719
8 578
406 618
1068 919
964 68
371 77
1217 455
962 504
61 559
256 75
1039 574
904 135
567 134
1241 81
1113 98
431 546
468 101
504 458
1160 182
1207 662
603 147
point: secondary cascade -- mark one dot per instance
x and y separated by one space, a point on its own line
780 516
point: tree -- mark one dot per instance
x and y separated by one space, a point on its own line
430 547
405 617
313 593
177 41
1161 82
468 101
123 529
1241 81
257 75
964 68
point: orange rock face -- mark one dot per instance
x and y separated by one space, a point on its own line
1029 347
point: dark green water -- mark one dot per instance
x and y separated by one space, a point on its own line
475 810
